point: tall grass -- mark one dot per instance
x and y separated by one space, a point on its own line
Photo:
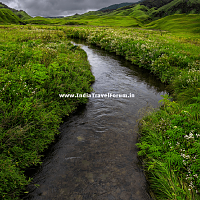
169 138
36 66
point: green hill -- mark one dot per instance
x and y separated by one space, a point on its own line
115 6
23 15
155 3
133 15
8 17
177 23
178 7
140 13
20 13
39 20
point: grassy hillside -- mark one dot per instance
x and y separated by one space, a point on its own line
115 6
178 23
133 16
124 14
108 20
141 14
8 17
155 3
23 15
20 13
178 7
39 20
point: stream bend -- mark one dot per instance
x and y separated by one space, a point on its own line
95 156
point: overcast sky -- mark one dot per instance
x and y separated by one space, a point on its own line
60 7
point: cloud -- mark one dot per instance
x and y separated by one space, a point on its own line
59 7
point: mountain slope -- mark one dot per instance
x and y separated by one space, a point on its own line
155 3
20 13
8 17
115 6
178 7
177 23
146 10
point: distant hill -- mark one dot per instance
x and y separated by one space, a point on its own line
20 13
8 17
54 17
177 23
149 10
38 20
115 6
178 7
155 3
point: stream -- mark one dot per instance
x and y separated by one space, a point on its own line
95 157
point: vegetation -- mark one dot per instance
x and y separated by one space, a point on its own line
138 14
178 23
115 6
39 20
36 66
20 13
169 142
36 61
8 17
177 7
144 11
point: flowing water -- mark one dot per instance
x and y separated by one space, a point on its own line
95 156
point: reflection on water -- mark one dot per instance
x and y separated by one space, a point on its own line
95 156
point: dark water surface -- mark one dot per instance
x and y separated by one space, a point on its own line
95 156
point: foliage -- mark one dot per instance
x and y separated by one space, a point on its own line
115 6
38 20
8 17
36 66
177 23
169 138
169 146
21 14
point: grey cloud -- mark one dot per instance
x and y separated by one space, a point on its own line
60 7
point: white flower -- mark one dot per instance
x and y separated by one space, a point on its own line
195 175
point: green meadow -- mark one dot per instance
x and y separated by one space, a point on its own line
38 62
169 137
36 66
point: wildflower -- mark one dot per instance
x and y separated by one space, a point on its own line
195 175
191 136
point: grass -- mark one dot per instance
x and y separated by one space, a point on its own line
39 20
37 60
92 20
169 148
36 66
178 23
169 137
112 21
8 17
